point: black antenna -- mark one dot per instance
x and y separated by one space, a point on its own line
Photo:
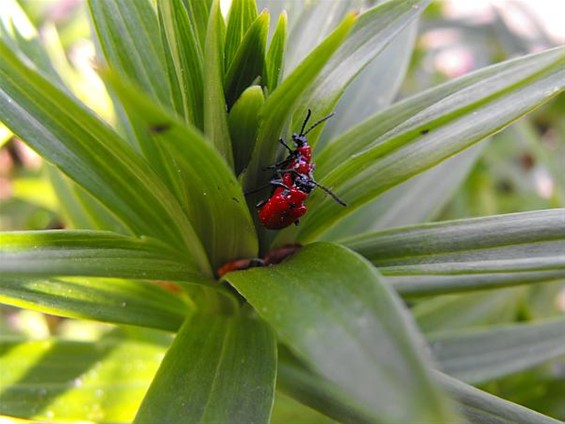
317 123
305 121
329 192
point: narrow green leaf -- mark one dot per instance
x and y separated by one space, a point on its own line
243 121
186 57
90 253
199 12
477 356
414 201
249 61
75 381
207 181
127 33
469 254
331 307
92 154
283 101
241 16
373 31
222 369
101 299
275 54
215 109
387 150
482 408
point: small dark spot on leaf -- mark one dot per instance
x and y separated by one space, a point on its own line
424 131
235 200
160 128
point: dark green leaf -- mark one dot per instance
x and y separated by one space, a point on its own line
418 133
332 308
469 254
222 369
249 60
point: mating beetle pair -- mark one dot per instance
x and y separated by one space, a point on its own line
293 181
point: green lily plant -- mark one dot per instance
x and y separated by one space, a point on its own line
351 325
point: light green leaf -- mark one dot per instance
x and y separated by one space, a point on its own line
102 299
227 232
215 115
92 154
127 33
243 121
275 54
482 408
332 308
283 101
477 356
222 369
187 59
418 133
60 380
90 253
241 16
249 61
469 254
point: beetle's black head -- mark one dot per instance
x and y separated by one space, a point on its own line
299 139
304 184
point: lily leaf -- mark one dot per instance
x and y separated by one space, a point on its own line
469 254
115 301
183 49
332 308
477 356
126 32
223 370
93 155
482 408
205 178
419 133
249 61
90 253
215 109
